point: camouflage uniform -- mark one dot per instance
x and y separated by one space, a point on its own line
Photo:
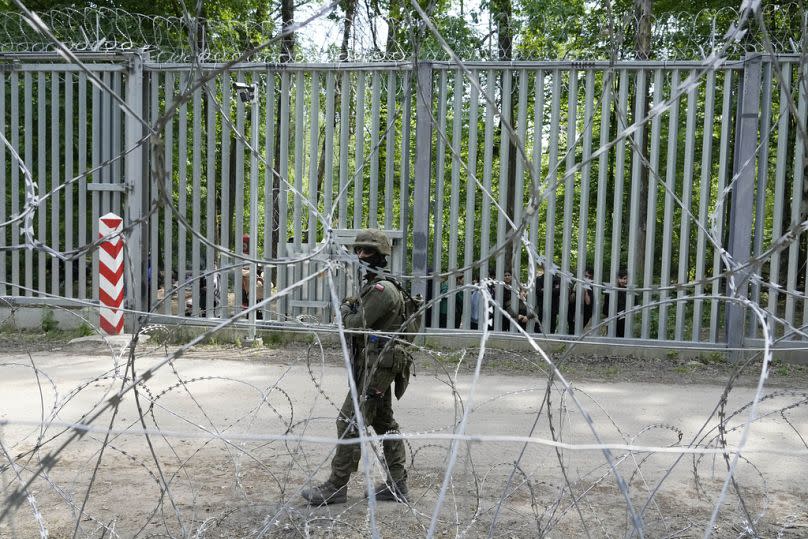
379 307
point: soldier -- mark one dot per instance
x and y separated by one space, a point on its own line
376 364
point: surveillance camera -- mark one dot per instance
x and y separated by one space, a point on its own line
246 92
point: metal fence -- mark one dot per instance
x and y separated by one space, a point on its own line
662 168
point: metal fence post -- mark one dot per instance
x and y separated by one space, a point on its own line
135 179
743 195
423 169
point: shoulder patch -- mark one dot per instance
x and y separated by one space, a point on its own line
379 287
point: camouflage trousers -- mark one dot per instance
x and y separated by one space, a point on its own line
377 412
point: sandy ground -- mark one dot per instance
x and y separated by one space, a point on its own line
219 444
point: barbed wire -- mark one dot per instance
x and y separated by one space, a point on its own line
264 432
674 36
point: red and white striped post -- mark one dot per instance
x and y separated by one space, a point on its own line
110 279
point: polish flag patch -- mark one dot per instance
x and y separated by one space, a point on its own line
379 287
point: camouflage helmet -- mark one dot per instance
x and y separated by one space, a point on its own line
375 238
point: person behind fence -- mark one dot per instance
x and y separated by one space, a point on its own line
555 301
586 303
620 298
377 362
457 303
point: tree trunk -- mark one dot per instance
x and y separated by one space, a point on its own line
642 52
350 12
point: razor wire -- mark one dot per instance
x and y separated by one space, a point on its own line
31 471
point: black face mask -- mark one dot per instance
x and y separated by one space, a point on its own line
378 260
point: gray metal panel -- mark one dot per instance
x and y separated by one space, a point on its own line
182 195
154 220
488 146
283 170
313 195
583 216
569 196
373 192
637 166
389 155
437 199
423 166
81 240
617 207
651 217
210 198
600 212
15 184
458 91
134 175
300 149
717 218
519 186
471 191
536 179
168 215
97 176
798 190
3 182
196 196
115 149
253 225
704 199
502 200
224 236
29 160
779 190
359 155
552 187
344 131
328 150
41 181
56 216
740 222
667 217
70 189
404 221
269 181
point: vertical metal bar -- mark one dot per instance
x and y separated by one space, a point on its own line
779 189
115 149
637 167
667 219
471 194
740 223
210 196
105 122
799 171
600 212
238 194
704 199
583 215
134 178
283 170
423 169
168 216
552 193
328 156
182 202
29 253
196 197
373 194
686 200
97 177
224 237
15 183
42 161
56 217
504 156
389 151
81 240
154 220
796 197
359 156
569 196
437 239
454 195
538 134
269 179
617 207
69 188
519 186
488 144
344 131
300 151
313 196
404 217
718 215
253 245
651 205
3 180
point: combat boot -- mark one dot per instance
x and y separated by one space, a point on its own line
325 494
392 491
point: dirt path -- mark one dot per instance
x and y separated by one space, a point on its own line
235 434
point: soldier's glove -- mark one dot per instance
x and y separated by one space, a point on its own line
348 306
373 393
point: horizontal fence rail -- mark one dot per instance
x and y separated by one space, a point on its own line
546 181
